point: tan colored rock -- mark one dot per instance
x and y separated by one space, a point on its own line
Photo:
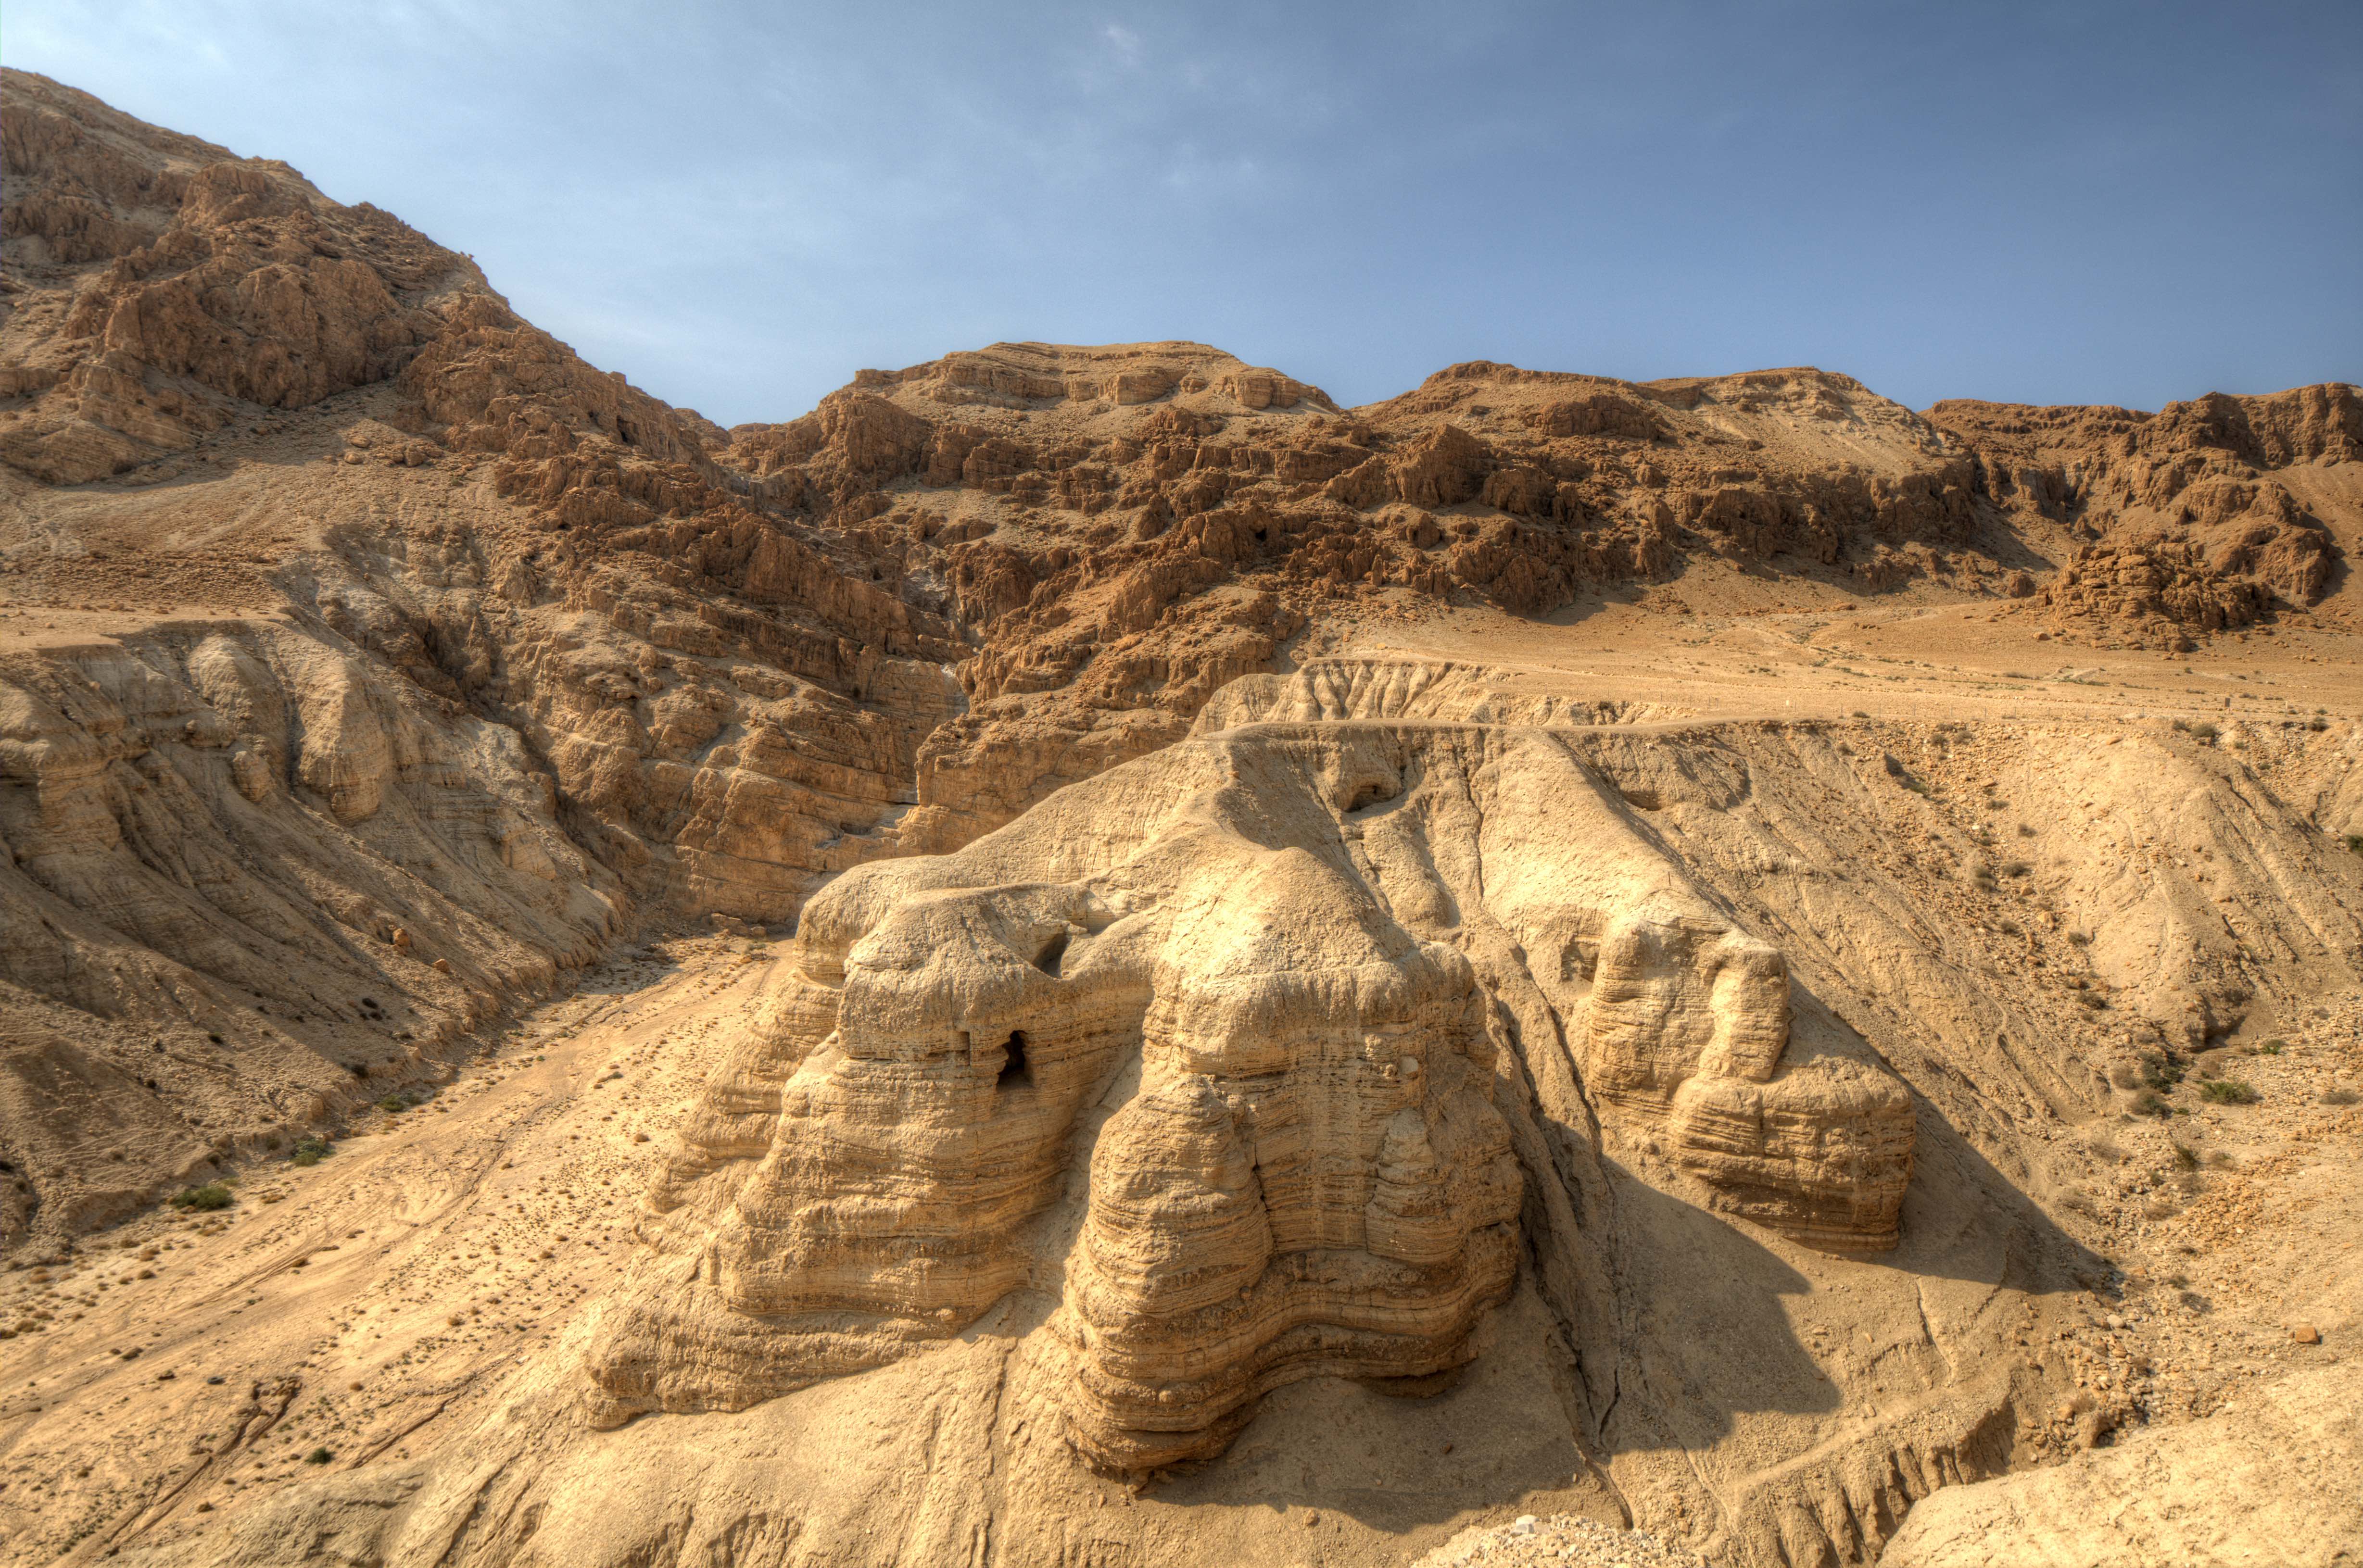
1308 1092
1353 990
2264 1482
1311 1177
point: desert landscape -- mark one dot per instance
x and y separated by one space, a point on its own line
1084 957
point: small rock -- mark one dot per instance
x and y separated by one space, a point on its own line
2306 1334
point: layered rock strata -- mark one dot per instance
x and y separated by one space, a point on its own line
1250 947
1309 1176
1688 1026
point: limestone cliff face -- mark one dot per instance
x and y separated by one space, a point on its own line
249 873
716 668
1247 952
1307 1177
335 666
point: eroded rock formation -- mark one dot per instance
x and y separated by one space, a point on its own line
372 659
1246 946
2194 520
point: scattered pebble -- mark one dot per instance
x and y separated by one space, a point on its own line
1562 1540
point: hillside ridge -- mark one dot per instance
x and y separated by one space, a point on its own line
1155 950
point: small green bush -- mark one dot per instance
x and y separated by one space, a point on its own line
2227 1091
2272 1047
2340 1097
2185 1159
213 1195
2016 869
2158 1071
2354 843
393 1104
310 1150
318 1456
2148 1103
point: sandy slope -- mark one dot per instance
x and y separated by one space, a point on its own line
445 1210
371 667
369 1304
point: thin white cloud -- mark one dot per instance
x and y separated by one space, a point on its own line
1123 42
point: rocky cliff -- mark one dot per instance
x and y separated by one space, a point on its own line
1261 927
1186 1004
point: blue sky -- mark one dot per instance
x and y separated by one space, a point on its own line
740 205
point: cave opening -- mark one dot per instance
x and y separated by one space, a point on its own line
1013 1069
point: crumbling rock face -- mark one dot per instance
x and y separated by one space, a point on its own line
1310 1177
2156 593
244 874
2187 530
1689 1025
162 283
1249 946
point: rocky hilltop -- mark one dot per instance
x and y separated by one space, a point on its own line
1275 899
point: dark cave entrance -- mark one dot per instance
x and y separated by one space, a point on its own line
1015 1071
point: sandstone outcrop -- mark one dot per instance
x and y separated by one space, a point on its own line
1688 1024
1308 1177
1197 1001
2193 520
1306 1172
